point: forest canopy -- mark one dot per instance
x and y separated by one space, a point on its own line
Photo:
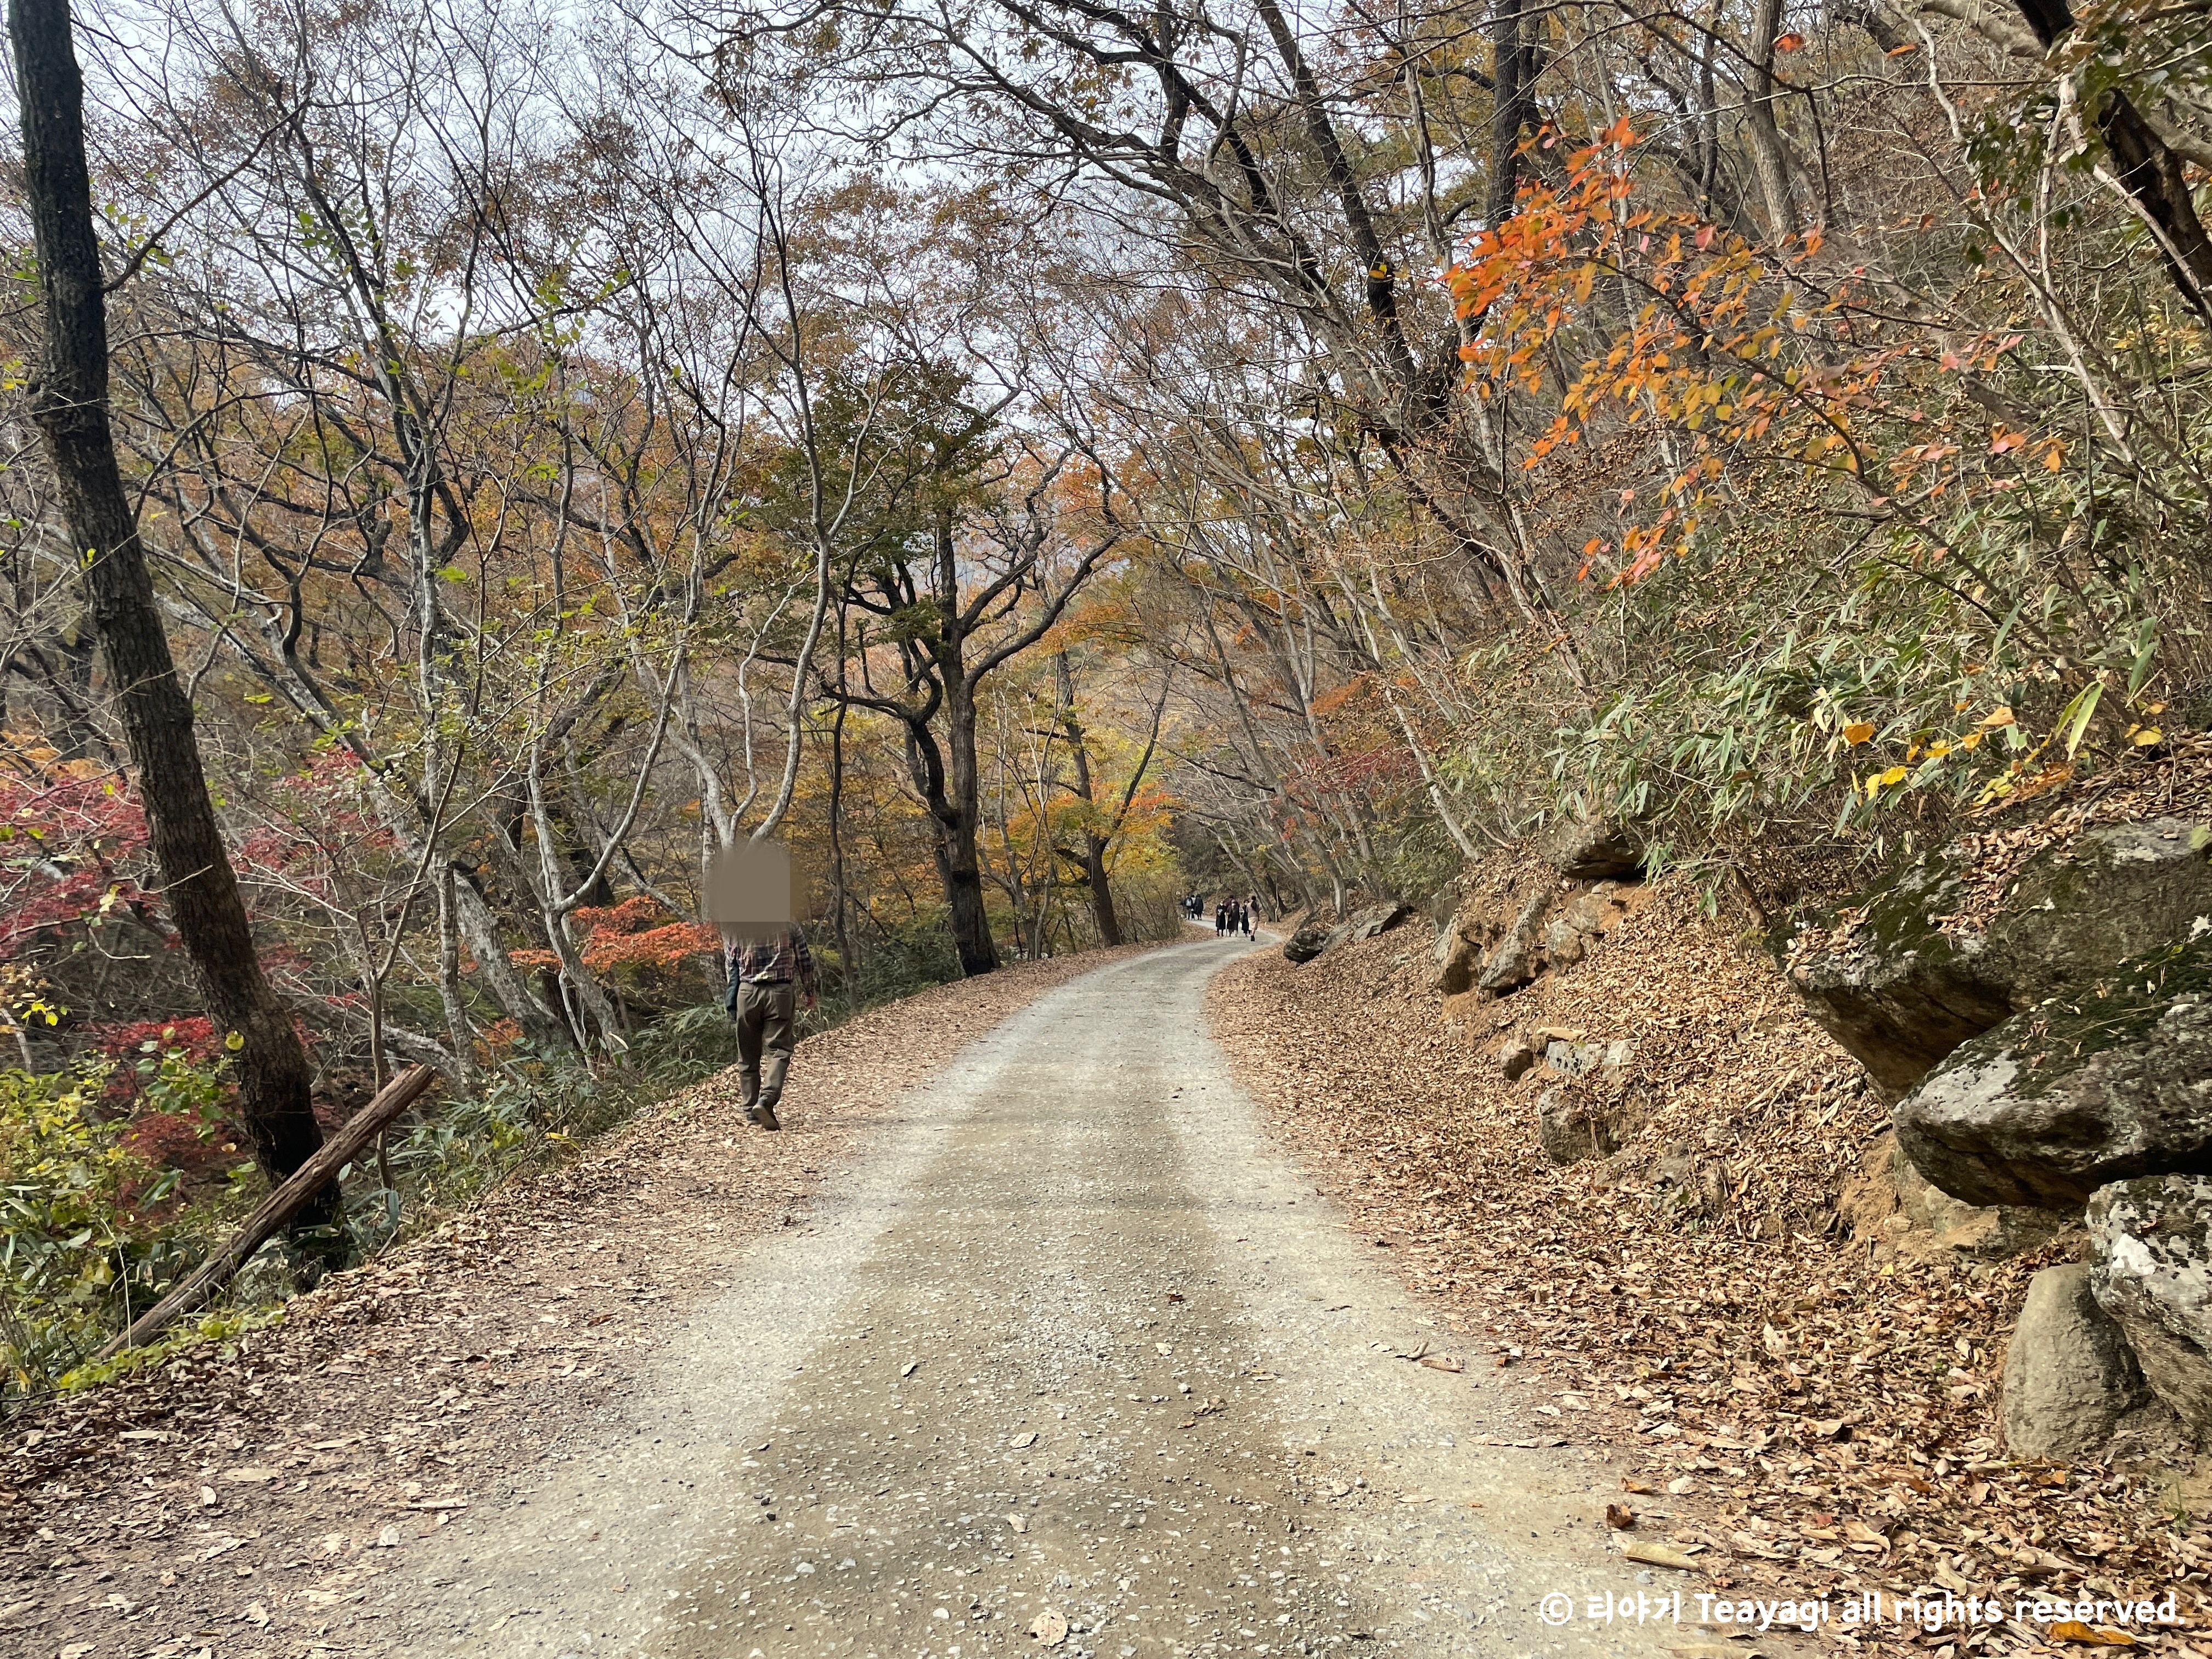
1038 460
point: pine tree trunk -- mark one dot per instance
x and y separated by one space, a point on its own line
68 401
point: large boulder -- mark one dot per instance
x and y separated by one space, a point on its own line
2076 1093
1908 973
2150 1267
1519 956
2069 1376
1307 941
1596 849
1456 957
1370 923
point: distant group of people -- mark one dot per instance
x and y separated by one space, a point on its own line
1230 915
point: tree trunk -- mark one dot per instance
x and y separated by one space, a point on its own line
1512 74
1768 159
1094 844
68 401
959 861
2146 167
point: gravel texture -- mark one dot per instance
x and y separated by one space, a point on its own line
1069 1348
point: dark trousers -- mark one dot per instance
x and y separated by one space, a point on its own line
766 1014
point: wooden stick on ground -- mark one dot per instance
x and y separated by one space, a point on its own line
279 1208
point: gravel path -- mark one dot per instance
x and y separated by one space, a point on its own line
1070 1359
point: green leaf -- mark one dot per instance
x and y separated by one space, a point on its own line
2074 720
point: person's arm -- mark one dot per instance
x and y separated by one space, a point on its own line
803 959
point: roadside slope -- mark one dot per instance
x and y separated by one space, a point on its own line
1813 1412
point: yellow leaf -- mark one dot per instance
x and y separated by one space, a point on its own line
233 1041
1895 774
2073 1630
1996 718
2143 735
1857 732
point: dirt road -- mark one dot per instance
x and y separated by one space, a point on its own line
1071 1351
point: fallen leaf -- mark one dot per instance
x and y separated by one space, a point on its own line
1023 1442
1629 1483
1620 1516
2073 1630
249 1476
388 1539
1050 1628
1018 1522
1437 1362
909 1368
1658 1555
76 1650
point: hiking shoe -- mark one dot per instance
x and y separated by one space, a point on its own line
765 1116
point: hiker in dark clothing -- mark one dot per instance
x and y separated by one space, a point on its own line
767 976
1221 916
1246 911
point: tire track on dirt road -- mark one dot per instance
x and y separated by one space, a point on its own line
1072 1350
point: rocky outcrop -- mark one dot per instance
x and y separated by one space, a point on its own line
1519 956
1370 923
1457 955
1312 939
1901 980
2069 1376
2078 1093
2150 1267
1596 849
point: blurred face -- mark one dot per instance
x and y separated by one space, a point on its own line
749 890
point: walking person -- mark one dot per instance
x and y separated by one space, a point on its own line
768 976
1246 912
1221 916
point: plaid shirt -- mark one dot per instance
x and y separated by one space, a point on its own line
770 961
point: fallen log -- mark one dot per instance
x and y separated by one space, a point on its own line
290 1197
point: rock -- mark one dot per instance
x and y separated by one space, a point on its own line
1518 1057
2150 1266
2077 1093
1572 1123
2069 1376
1595 913
1563 946
1519 956
1305 944
1899 993
1370 923
1456 959
1596 849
